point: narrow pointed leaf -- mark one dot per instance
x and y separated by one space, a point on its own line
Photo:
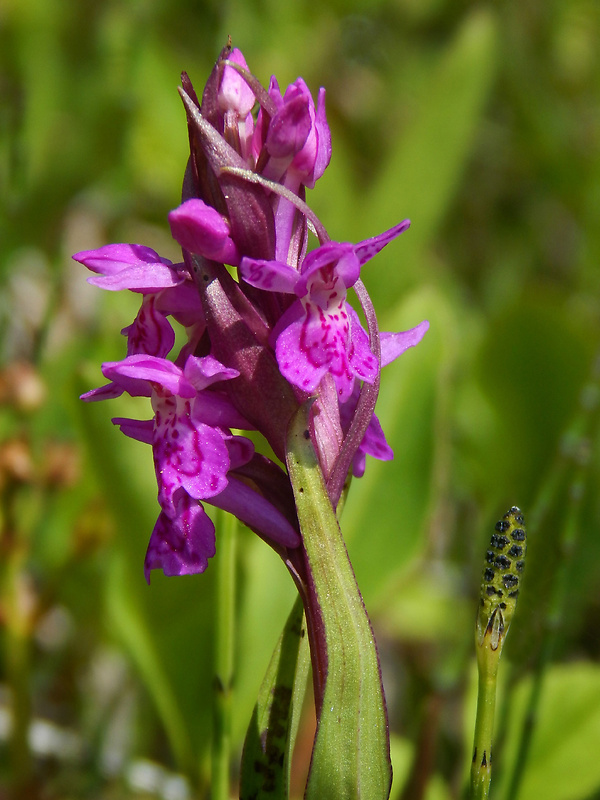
272 730
350 757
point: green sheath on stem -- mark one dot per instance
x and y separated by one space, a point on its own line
505 560
350 757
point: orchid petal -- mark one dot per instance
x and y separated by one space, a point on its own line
289 128
183 545
394 344
270 276
240 450
363 362
373 444
129 266
370 247
323 155
335 257
137 374
234 93
256 512
203 371
107 392
150 333
187 453
141 430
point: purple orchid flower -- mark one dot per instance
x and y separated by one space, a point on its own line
256 347
167 290
320 333
194 450
271 344
292 145
183 544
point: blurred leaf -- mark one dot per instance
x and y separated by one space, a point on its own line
402 754
270 739
158 145
425 605
561 764
533 362
422 173
386 511
126 621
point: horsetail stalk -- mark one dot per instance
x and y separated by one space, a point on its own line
504 563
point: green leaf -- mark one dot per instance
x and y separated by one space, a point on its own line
351 757
561 764
270 739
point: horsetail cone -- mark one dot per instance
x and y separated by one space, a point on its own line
504 563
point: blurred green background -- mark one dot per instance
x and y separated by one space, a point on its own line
480 122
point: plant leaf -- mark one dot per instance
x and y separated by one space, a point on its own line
272 730
351 756
562 765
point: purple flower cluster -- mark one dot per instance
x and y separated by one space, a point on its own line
258 344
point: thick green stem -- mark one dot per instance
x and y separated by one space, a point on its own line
224 656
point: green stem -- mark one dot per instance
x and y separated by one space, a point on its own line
481 768
224 656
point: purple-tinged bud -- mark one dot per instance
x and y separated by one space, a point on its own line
297 139
200 229
234 94
210 107
236 100
289 129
